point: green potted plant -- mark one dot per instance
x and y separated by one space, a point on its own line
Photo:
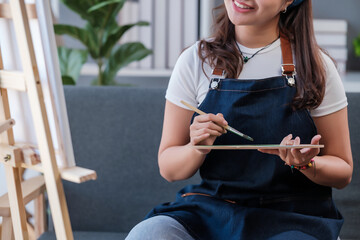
356 44
100 36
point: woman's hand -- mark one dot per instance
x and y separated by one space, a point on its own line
296 157
206 128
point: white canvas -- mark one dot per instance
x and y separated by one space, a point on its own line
48 67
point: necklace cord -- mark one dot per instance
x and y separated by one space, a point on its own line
245 58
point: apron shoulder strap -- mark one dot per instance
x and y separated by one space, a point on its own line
288 67
218 72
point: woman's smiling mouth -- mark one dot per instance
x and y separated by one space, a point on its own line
242 5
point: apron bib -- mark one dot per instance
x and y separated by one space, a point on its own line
246 194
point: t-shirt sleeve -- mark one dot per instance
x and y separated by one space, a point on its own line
335 97
183 81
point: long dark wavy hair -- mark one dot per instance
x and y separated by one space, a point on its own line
297 24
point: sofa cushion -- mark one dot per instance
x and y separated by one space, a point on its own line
116 131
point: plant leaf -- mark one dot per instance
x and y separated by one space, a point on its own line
78 33
356 43
93 45
67 80
71 62
103 4
85 35
99 17
117 33
80 7
110 29
122 56
109 14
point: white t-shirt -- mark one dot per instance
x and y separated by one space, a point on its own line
189 83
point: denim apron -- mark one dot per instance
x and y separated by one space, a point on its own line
246 194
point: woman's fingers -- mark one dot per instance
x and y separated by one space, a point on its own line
312 152
295 156
225 123
303 156
197 139
206 128
286 141
210 121
201 140
217 119
316 139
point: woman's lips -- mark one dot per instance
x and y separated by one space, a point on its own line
242 7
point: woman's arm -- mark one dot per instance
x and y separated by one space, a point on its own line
177 158
334 166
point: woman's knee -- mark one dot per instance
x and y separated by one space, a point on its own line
159 228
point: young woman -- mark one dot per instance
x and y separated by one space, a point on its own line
262 73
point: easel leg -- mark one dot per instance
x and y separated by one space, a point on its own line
7 232
40 215
31 231
17 207
57 202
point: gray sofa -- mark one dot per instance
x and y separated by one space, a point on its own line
116 131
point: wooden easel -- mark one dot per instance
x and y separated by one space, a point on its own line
13 156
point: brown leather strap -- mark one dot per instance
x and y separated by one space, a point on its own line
218 72
288 66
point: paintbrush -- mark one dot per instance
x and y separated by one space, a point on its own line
231 129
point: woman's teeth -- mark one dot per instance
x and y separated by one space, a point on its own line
241 6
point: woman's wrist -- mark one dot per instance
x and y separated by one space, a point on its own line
310 164
305 166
